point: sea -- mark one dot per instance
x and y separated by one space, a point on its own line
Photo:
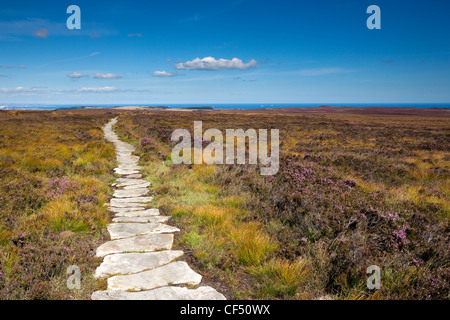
12 106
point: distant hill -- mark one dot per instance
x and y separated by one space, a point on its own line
199 108
77 108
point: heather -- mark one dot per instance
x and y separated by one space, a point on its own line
55 168
355 188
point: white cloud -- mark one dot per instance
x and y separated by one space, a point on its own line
76 75
323 71
12 67
209 63
41 33
107 76
20 90
163 74
98 90
94 54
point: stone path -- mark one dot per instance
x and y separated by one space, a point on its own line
138 261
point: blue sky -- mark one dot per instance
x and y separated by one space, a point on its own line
153 52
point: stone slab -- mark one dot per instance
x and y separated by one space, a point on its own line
173 273
163 293
125 172
127 230
146 243
151 219
132 176
135 186
130 205
134 212
121 182
127 263
127 167
137 213
130 193
131 199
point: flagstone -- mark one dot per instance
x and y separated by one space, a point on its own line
131 182
130 193
150 219
173 273
128 167
130 205
163 293
132 176
127 263
131 199
124 172
127 230
135 186
134 212
138 213
146 243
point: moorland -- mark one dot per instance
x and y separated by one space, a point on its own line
356 187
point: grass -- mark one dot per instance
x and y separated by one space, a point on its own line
280 277
252 245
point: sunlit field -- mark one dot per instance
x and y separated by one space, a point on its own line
355 188
55 169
